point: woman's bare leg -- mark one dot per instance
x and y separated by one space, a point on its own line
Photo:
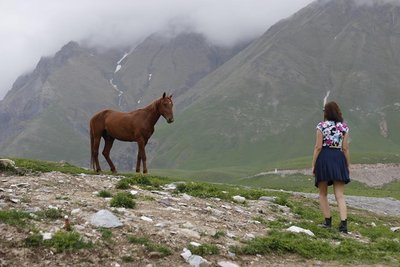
338 188
323 199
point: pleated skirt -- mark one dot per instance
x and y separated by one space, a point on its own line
331 166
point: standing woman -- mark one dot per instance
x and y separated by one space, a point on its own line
331 162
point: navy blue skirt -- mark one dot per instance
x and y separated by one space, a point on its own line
331 166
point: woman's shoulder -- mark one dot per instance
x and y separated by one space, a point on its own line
342 126
322 125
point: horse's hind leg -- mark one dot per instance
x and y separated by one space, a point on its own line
106 151
138 160
95 152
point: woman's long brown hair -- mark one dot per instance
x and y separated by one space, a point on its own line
332 112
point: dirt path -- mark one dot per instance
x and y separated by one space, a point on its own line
370 174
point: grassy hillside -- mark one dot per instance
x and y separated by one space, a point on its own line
262 106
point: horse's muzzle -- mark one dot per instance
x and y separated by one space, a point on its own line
170 120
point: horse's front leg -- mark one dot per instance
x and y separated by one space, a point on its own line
141 157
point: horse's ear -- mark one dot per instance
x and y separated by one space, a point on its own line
170 96
163 96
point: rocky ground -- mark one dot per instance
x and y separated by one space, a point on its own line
171 220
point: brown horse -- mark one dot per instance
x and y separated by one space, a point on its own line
135 126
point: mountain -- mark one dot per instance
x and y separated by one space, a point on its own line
240 110
262 106
45 115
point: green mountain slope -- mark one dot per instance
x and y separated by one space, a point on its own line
262 105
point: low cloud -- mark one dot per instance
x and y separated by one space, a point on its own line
32 29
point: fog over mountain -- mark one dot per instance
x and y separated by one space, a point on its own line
32 29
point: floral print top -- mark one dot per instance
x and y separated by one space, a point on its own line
332 133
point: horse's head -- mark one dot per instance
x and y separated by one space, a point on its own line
165 108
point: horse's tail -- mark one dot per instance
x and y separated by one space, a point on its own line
92 163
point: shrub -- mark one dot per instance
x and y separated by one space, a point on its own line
150 246
51 213
67 241
204 249
14 217
124 200
104 194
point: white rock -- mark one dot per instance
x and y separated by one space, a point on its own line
161 225
47 236
75 211
195 244
189 233
134 192
106 219
269 199
7 163
188 225
249 236
173 209
20 185
215 212
395 229
147 219
194 260
227 264
230 235
186 254
296 229
239 199
186 196
373 224
169 187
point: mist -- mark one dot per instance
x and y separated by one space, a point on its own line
30 30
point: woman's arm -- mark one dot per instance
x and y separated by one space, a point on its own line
317 149
345 148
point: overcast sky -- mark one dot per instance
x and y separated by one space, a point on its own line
32 29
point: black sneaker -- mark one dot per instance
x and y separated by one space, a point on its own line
343 226
327 223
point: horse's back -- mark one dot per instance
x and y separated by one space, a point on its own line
98 119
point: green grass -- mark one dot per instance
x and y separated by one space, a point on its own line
49 166
104 194
149 245
61 241
383 245
106 234
204 249
51 213
148 182
14 217
305 183
123 200
226 192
